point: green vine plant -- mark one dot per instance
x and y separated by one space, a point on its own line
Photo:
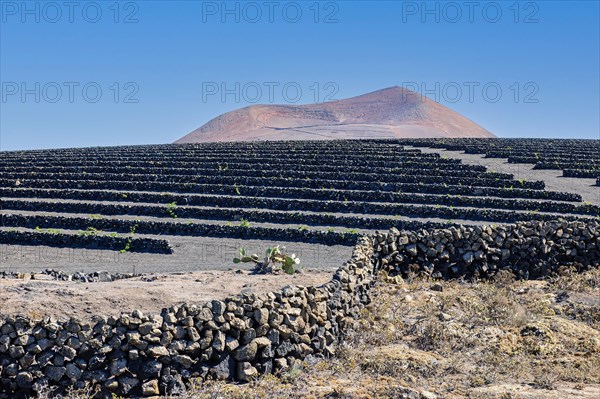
171 208
90 232
47 231
129 242
273 261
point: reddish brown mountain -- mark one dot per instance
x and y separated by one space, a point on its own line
395 112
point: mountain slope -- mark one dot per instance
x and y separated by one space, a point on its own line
388 113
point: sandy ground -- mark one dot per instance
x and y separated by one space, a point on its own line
190 254
41 296
552 177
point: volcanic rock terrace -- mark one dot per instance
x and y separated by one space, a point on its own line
396 211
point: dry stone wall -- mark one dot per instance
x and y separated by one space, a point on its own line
84 240
244 336
530 249
137 354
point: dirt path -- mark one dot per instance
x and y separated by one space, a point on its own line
37 298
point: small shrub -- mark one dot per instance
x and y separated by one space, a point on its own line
171 209
89 232
129 242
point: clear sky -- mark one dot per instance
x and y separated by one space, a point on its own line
79 73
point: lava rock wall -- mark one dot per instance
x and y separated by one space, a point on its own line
145 355
530 249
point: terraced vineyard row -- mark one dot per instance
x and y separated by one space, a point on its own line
576 158
130 198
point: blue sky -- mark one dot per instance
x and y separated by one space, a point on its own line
142 72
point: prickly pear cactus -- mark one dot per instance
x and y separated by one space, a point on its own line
274 260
